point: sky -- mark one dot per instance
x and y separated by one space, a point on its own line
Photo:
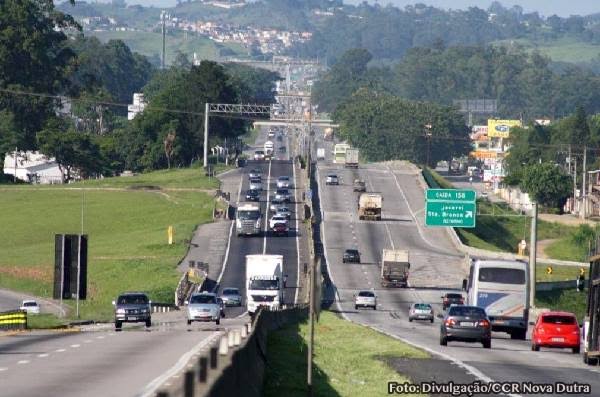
563 8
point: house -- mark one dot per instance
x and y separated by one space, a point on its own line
33 167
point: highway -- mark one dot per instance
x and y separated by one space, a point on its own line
435 269
99 362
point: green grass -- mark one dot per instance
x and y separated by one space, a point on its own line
559 273
349 359
565 249
567 300
44 321
127 237
565 49
150 43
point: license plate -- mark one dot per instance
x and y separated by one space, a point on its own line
558 339
132 318
499 322
467 324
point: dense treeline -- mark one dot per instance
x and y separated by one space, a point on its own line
523 84
41 66
385 127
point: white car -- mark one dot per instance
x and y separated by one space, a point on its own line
255 184
259 155
277 219
284 182
332 179
365 299
30 306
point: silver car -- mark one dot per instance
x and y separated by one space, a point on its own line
255 184
332 179
284 182
365 299
285 211
420 311
255 173
203 306
283 194
231 297
276 204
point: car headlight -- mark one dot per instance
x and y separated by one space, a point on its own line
120 311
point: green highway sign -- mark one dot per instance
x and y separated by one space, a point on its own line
451 195
450 207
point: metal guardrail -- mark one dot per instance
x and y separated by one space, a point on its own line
13 320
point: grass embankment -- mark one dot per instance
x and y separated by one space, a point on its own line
349 359
559 273
565 300
499 228
127 248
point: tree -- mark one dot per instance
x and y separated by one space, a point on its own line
72 150
547 184
33 58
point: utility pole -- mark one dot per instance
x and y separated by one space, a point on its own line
583 191
308 155
532 255
15 176
206 109
311 316
163 17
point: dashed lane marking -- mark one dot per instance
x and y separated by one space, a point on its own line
75 346
60 350
23 362
43 355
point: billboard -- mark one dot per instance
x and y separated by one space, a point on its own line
484 154
501 128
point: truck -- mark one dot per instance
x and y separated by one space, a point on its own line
394 268
351 158
248 219
264 282
369 206
339 153
268 149
320 154
591 321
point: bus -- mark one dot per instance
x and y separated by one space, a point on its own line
501 288
339 153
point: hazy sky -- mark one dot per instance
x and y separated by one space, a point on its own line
544 7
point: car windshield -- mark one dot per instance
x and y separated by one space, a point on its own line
466 311
203 299
259 152
366 294
230 291
422 306
29 304
284 178
255 171
282 191
331 176
248 215
253 192
264 284
454 296
351 252
255 180
554 319
132 300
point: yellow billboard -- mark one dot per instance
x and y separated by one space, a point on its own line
501 128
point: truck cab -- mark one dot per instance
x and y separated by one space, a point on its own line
248 220
263 282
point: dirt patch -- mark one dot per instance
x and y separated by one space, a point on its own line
542 245
32 273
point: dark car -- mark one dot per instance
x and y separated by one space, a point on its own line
253 195
132 307
452 299
281 229
351 256
466 324
279 138
231 296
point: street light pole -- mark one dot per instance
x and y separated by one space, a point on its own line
206 108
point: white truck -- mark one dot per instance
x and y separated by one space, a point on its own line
351 158
320 154
369 206
394 268
268 149
264 282
248 219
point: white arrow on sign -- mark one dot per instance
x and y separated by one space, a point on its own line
468 214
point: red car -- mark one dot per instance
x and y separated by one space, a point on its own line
556 329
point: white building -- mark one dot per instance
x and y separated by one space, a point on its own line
139 104
33 167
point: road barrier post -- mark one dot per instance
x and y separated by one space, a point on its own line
202 369
188 386
213 357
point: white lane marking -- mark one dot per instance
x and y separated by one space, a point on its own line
75 346
23 362
224 264
387 229
43 355
297 233
242 315
100 337
3 369
151 388
267 210
87 341
60 350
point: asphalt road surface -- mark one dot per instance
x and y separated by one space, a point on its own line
435 269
